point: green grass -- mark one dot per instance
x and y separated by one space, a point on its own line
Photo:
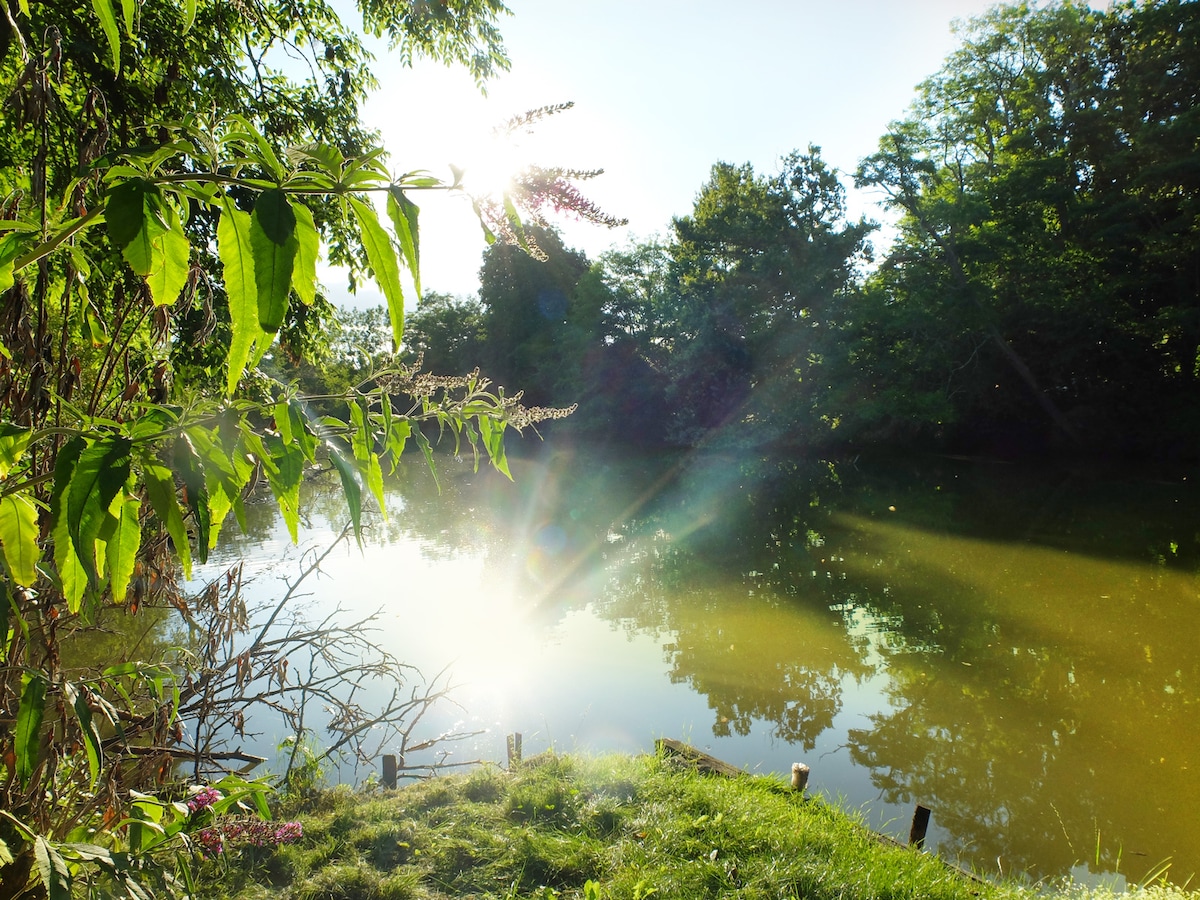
593 828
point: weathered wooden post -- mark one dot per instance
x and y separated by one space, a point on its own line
389 771
799 777
920 824
514 749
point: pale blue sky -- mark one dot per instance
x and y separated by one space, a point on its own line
663 89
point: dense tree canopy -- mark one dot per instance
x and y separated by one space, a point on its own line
1041 293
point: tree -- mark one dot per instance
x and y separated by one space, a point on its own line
1040 174
763 267
166 191
526 303
448 331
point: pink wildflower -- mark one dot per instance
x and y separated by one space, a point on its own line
203 799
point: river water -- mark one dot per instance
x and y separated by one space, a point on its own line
1014 648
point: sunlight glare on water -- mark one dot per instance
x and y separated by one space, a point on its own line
1019 660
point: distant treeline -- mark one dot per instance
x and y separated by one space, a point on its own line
1041 293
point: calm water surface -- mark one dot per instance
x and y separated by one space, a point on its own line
1014 649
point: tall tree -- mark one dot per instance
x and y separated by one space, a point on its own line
763 267
1048 204
527 303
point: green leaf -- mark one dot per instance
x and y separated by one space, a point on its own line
19 537
129 7
137 217
53 868
123 543
226 473
493 440
237 261
160 488
403 213
301 432
71 574
375 483
283 421
396 432
108 22
189 15
423 443
10 249
274 245
285 471
94 328
87 727
13 442
27 736
360 441
308 250
350 488
124 209
190 469
102 470
170 253
382 257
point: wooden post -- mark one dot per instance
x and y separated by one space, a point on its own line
920 824
799 777
514 749
389 771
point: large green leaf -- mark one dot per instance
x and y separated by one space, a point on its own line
108 22
10 249
124 209
190 469
72 576
56 877
122 542
237 262
285 472
87 727
382 257
304 274
403 213
137 218
169 263
226 473
274 245
102 470
27 735
19 537
13 441
350 488
493 440
160 488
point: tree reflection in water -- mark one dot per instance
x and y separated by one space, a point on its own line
1025 635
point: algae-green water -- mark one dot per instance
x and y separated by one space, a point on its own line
1013 647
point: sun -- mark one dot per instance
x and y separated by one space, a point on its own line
493 167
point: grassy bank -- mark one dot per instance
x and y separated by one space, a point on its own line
591 828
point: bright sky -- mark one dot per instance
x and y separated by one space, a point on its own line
662 90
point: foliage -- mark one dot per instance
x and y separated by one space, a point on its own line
447 332
168 182
526 304
1047 182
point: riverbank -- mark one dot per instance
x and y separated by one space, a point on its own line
593 828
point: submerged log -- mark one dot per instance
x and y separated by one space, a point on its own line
698 758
